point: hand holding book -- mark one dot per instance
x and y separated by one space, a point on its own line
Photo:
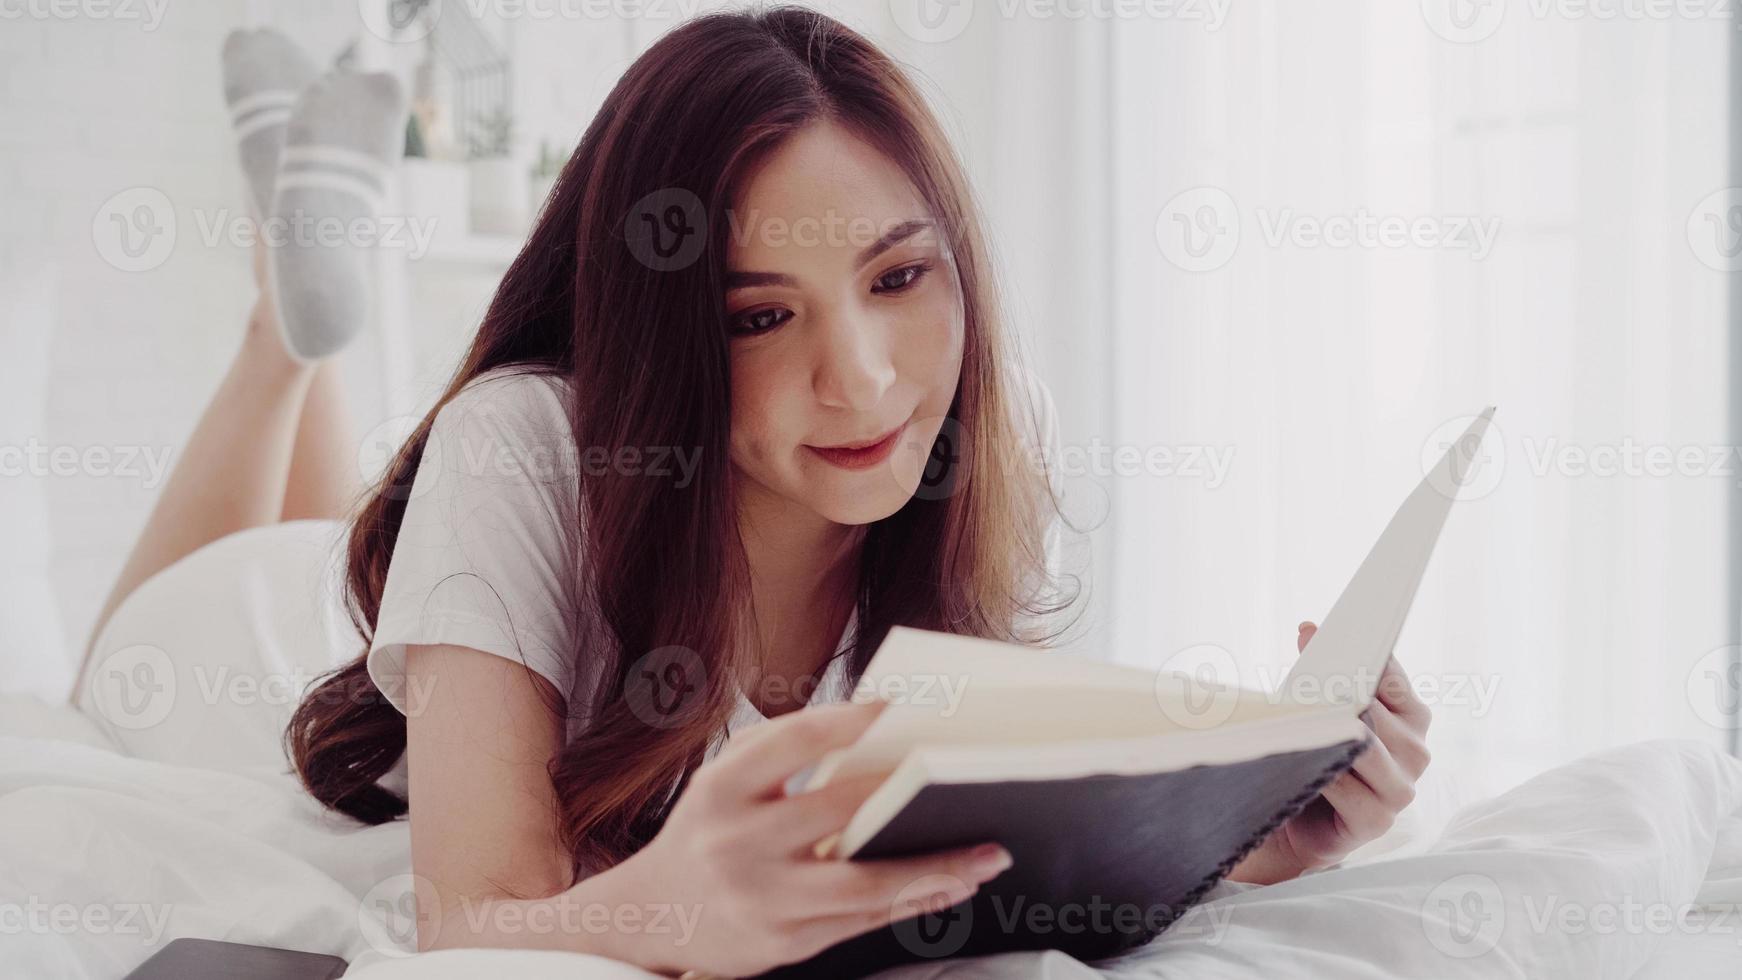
1362 803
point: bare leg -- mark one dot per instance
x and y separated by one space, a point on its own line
234 471
324 480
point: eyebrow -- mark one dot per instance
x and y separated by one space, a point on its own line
740 279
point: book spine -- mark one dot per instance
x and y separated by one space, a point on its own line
1295 805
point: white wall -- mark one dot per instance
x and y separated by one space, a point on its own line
91 107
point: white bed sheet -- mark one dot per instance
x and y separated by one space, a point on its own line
104 858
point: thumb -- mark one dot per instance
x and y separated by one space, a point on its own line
1307 629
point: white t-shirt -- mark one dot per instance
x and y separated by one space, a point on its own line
482 550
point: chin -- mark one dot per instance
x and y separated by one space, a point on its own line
861 498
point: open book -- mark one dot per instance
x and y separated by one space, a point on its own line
1122 794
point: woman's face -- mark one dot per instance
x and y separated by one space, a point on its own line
846 328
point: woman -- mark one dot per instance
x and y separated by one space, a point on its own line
762 263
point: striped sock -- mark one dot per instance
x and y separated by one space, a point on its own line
263 74
344 136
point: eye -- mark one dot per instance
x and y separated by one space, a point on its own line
759 321
902 279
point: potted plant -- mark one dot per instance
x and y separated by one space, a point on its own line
499 185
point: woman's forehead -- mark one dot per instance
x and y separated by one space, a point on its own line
824 177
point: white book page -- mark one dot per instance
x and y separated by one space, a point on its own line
1345 658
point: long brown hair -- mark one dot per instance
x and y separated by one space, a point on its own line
645 351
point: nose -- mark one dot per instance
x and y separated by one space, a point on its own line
854 367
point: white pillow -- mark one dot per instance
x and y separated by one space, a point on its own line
34 658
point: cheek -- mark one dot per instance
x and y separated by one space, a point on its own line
929 349
761 390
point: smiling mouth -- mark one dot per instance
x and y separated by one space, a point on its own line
863 455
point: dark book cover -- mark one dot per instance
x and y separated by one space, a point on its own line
1102 863
209 959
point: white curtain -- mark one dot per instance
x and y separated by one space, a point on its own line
1432 215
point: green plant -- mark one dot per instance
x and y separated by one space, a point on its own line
491 136
414 145
550 160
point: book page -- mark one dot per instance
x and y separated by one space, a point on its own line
1342 663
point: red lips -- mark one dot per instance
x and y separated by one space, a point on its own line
863 455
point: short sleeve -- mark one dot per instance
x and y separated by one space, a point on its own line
480 559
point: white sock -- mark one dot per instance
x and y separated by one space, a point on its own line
345 135
264 72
